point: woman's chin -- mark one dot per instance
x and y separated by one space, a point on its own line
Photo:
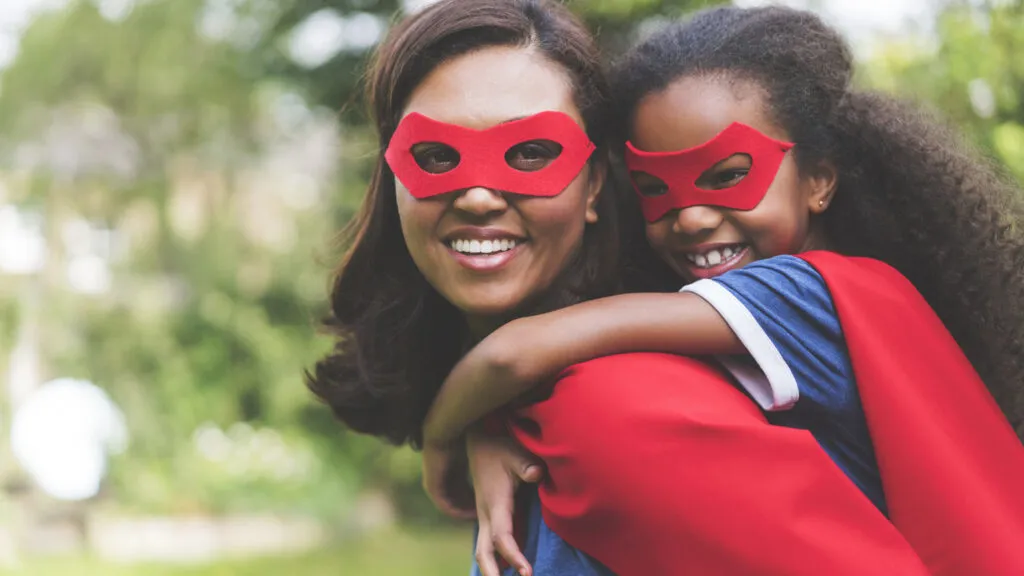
485 311
486 308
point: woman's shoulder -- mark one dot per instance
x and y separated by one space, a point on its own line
645 365
646 379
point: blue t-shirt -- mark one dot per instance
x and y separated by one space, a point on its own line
798 370
798 367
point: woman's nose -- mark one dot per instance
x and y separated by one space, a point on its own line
480 201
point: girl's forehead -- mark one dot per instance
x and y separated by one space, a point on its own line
692 110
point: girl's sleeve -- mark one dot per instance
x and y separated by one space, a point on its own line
782 311
657 464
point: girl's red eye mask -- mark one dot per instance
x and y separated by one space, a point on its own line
480 158
680 170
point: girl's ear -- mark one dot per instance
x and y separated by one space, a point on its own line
820 185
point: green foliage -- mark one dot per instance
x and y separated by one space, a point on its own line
434 553
336 84
974 75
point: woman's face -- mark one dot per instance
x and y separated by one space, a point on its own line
485 251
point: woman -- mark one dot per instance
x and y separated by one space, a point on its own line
488 203
762 175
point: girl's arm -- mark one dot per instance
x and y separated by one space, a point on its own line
528 351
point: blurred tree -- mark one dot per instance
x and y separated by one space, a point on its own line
334 81
973 74
151 128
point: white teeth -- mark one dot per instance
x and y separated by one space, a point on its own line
715 257
482 246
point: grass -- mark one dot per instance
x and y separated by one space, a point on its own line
400 553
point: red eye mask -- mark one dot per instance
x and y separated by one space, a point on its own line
681 169
482 155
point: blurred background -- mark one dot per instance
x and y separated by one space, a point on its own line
171 175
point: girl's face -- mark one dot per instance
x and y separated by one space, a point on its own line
702 241
486 251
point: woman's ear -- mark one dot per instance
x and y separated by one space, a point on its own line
598 175
820 184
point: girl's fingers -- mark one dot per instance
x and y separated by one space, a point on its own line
440 470
499 505
506 545
451 510
520 463
530 472
485 553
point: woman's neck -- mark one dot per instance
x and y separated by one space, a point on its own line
481 326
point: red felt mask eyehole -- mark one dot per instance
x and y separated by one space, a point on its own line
533 155
648 185
436 158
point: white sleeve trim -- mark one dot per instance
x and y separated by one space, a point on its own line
777 390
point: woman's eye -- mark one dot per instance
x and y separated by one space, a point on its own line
435 158
532 156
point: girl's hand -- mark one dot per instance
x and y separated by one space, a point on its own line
499 466
445 479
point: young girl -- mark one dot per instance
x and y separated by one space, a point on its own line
786 202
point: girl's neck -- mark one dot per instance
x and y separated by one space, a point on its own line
816 238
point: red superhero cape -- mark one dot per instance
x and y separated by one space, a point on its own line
658 465
951 466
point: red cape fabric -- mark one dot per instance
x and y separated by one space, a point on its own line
657 464
951 466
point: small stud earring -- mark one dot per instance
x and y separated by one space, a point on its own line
821 203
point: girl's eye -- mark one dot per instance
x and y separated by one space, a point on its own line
725 174
648 185
435 158
729 178
533 155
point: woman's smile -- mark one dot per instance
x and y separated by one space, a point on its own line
484 249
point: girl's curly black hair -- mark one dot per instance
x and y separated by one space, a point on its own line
911 192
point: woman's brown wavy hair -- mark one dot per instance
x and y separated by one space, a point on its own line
396 337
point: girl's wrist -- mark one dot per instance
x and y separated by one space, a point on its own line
435 438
